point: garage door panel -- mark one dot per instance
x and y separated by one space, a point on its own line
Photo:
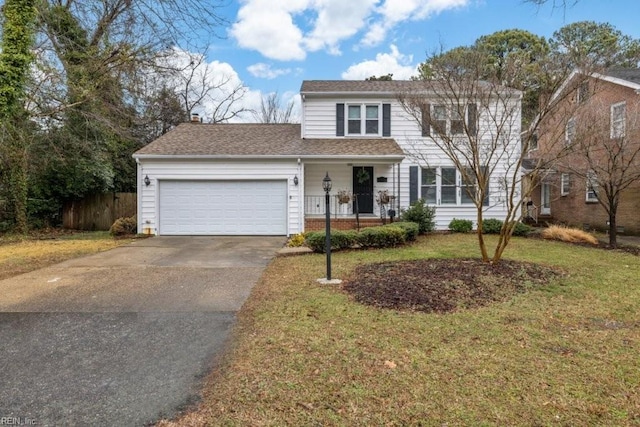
223 207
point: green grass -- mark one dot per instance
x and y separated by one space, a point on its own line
565 354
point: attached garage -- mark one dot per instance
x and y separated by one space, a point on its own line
222 207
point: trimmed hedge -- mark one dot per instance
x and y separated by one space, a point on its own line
491 226
422 214
461 225
521 230
339 240
381 237
411 229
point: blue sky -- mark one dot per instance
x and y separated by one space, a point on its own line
272 45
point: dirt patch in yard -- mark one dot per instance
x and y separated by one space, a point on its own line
443 285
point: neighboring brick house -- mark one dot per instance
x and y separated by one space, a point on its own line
599 115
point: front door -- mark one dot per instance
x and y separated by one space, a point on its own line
545 195
363 189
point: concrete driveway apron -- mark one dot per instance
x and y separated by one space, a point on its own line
123 337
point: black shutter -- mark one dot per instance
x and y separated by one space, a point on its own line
426 119
485 202
339 119
413 184
386 119
472 119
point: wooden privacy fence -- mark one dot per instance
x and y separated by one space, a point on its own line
99 211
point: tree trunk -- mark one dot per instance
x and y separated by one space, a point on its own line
481 242
613 228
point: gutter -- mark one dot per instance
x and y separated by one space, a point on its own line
266 157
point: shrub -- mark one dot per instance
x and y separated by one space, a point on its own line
460 225
422 214
411 229
381 237
521 229
571 235
124 226
339 240
491 226
296 240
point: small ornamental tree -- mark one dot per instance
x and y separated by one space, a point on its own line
474 122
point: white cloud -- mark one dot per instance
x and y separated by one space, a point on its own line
287 30
268 27
337 20
265 71
393 12
394 62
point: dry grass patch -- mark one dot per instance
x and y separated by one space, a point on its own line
570 235
21 256
562 354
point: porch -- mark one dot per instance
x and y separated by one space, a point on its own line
362 194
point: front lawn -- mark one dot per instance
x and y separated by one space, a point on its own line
564 353
24 254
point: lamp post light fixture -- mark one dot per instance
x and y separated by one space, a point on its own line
326 186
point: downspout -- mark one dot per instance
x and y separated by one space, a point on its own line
139 194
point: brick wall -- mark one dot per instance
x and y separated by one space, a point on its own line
573 209
318 224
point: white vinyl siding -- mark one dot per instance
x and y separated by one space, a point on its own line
319 121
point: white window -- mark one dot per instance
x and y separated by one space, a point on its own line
429 185
583 92
564 184
533 142
439 119
363 119
618 112
447 186
570 131
592 188
446 121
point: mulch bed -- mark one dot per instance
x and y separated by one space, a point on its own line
443 285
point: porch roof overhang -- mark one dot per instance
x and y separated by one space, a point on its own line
264 141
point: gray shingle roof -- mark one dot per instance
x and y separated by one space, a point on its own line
628 74
258 140
380 87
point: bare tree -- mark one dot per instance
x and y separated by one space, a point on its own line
272 110
606 155
476 125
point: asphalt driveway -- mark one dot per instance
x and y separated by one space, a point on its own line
123 337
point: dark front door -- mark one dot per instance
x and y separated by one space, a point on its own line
363 189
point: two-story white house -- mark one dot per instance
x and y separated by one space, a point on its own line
266 179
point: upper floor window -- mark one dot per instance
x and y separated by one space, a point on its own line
443 120
363 119
570 131
583 92
533 142
618 112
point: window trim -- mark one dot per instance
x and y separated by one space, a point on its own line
583 92
564 184
569 138
622 120
363 119
592 187
459 186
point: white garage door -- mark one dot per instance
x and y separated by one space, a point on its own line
223 207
